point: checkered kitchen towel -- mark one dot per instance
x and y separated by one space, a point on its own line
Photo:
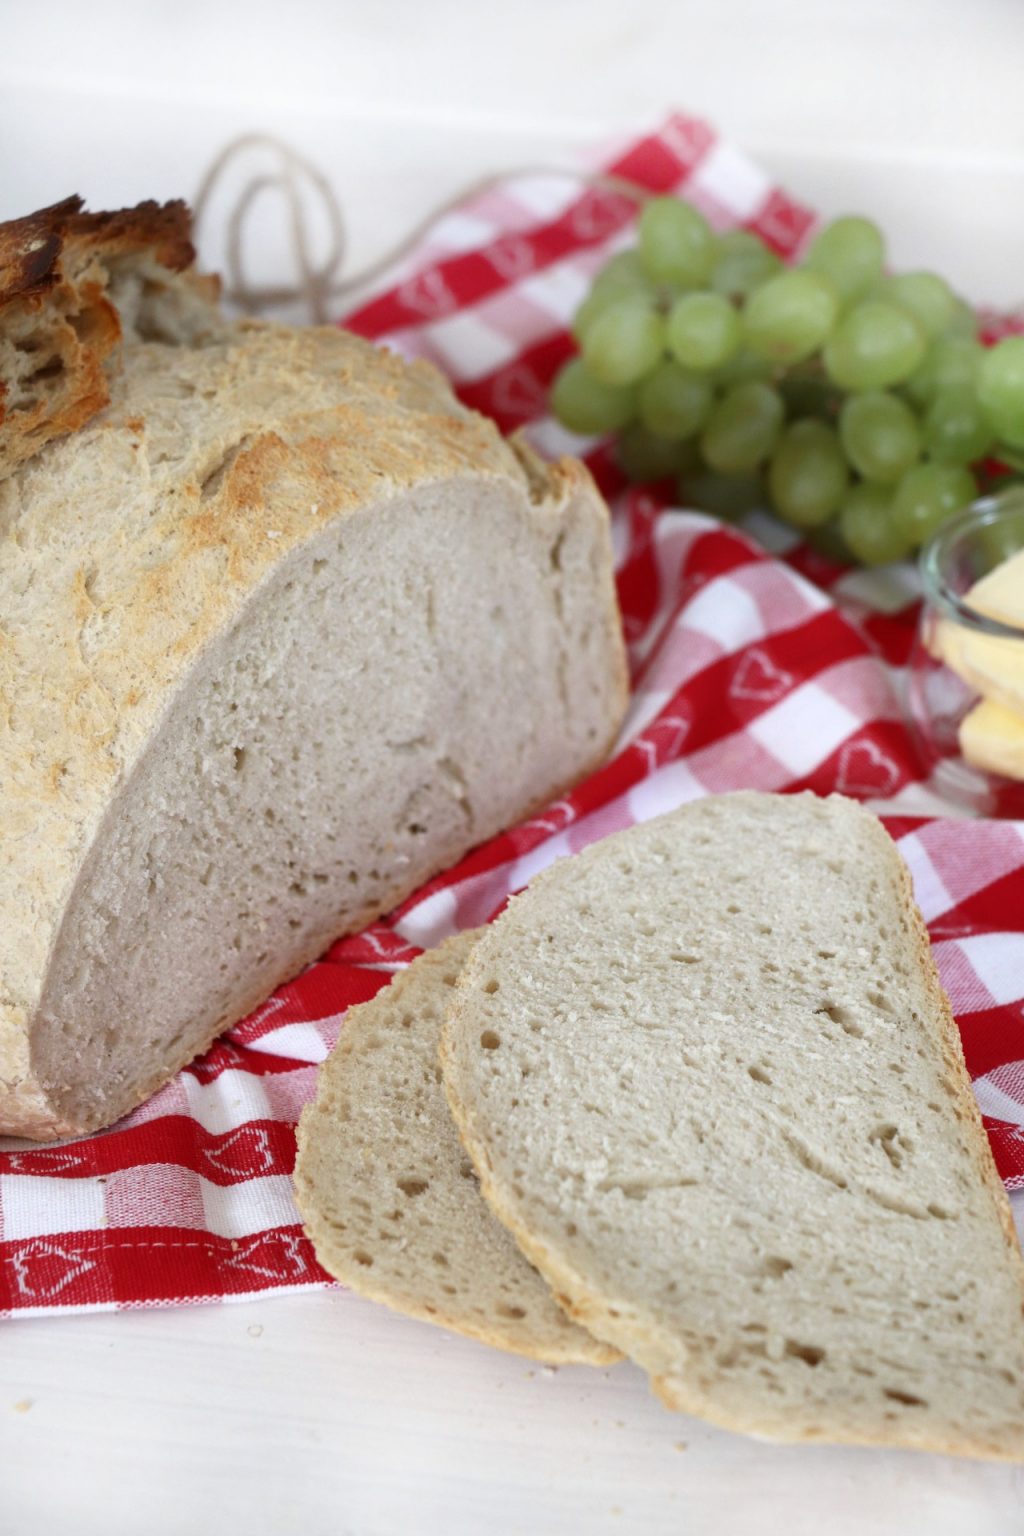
750 669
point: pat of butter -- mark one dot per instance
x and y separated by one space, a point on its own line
992 737
994 664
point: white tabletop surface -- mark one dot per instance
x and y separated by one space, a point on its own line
321 1413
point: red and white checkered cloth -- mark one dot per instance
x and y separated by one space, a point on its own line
774 671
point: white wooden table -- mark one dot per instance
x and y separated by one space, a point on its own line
321 1413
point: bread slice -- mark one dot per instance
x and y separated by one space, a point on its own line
710 1080
284 630
389 1196
72 286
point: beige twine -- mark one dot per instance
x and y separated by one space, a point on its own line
320 287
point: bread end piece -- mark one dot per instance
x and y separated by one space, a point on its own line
73 285
389 1198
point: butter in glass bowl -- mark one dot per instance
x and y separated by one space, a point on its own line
966 684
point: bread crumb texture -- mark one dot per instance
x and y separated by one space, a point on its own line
391 1200
709 1078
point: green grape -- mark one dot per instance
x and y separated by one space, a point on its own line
1001 389
593 305
742 263
624 341
673 403
727 496
790 316
867 526
742 428
880 435
644 456
955 428
623 274
676 243
850 251
740 242
874 345
963 322
620 278
925 295
927 495
742 368
703 330
585 405
808 475
951 362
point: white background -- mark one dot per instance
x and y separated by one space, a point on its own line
908 109
321 1413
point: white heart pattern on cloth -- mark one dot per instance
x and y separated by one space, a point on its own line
519 393
598 214
43 1269
512 257
251 1139
782 221
688 138
48 1160
273 1255
662 741
428 295
757 678
865 769
555 819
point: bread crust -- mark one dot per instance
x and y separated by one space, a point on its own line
59 325
618 1320
37 250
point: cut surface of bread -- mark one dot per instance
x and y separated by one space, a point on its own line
709 1078
389 1196
284 630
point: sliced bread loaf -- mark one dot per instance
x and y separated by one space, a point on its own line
389 1196
268 623
710 1080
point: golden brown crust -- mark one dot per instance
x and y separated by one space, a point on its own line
163 230
30 250
34 250
58 323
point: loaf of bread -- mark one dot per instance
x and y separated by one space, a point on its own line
709 1079
284 630
389 1196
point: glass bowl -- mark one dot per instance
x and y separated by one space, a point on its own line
966 681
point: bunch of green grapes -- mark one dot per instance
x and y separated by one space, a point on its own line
851 401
